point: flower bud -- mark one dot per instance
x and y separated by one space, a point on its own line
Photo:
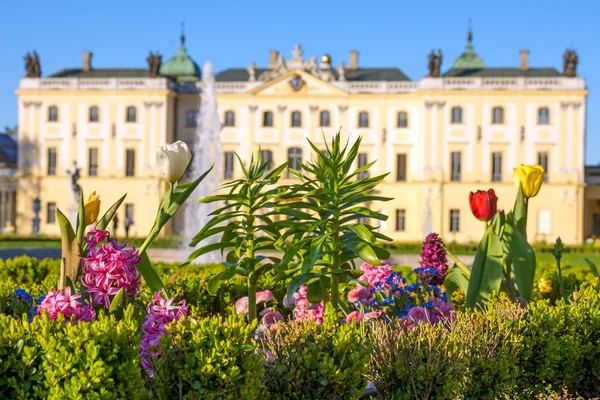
91 208
530 177
173 160
483 204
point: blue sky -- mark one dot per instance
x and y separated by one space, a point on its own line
234 33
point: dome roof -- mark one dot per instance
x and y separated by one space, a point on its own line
469 59
181 66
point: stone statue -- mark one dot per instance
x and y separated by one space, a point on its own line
435 63
32 65
341 70
570 63
252 72
75 175
154 62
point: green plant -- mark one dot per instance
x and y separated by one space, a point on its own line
211 358
249 227
334 234
418 363
55 360
26 270
310 361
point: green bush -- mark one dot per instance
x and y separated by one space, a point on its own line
11 305
310 361
56 360
211 358
26 270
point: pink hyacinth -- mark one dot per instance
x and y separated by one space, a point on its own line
109 268
374 274
433 255
358 294
372 315
305 310
418 314
241 306
264 296
62 302
160 313
272 318
354 316
442 311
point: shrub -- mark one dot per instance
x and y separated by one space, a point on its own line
26 270
209 358
311 361
419 363
12 305
56 359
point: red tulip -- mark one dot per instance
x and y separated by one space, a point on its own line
483 204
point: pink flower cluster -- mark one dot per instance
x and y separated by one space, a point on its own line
441 312
304 309
160 313
374 273
64 303
433 255
269 317
110 267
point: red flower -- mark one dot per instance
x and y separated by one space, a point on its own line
483 204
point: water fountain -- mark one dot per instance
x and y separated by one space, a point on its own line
207 152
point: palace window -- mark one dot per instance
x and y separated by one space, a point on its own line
496 167
229 118
131 114
456 115
543 116
596 224
497 115
455 166
130 211
93 117
454 220
52 114
51 212
52 161
190 118
294 158
267 157
362 161
267 119
402 119
324 119
296 119
363 119
130 162
543 161
400 220
93 162
401 167
228 167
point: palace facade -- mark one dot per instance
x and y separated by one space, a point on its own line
453 131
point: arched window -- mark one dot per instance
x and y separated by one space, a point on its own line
267 157
324 118
363 119
497 115
456 115
296 119
52 113
131 114
229 118
93 117
543 116
294 158
402 120
267 118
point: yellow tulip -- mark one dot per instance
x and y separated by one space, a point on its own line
545 286
530 177
92 209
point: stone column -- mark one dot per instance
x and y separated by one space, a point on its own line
2 208
9 207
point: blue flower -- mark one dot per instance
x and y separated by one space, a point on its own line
413 287
418 270
23 295
32 313
40 299
387 301
427 304
431 271
443 298
373 303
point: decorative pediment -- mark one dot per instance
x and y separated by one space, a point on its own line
297 81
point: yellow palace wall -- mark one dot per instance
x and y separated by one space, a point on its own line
428 140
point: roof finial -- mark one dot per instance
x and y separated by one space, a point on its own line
182 37
470 34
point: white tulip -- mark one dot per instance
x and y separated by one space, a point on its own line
172 161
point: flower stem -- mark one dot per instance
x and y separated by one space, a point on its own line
561 285
251 301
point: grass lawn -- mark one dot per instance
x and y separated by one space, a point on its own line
569 259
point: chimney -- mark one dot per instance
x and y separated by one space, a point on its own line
273 54
353 64
524 60
87 61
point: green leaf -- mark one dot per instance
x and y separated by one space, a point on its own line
298 281
366 253
70 250
208 248
182 197
520 211
80 219
314 292
108 216
150 275
524 263
369 213
456 279
593 267
364 233
117 302
315 248
486 274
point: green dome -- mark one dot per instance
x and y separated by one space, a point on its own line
181 67
469 59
